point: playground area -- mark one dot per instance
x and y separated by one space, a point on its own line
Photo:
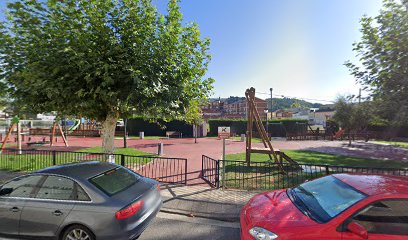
293 154
305 145
187 148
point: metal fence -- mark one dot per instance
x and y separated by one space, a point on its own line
269 175
169 170
210 171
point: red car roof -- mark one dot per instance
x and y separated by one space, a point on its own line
375 184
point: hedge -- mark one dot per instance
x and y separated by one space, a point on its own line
278 128
389 131
159 128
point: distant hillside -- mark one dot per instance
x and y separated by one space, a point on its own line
285 103
278 103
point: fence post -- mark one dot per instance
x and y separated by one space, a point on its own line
202 166
54 158
185 172
223 174
217 173
327 170
122 160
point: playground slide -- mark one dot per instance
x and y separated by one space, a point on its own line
339 134
75 126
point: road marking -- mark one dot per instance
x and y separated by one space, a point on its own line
197 220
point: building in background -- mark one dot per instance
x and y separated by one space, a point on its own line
320 116
232 108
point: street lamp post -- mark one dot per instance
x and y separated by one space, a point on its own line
266 114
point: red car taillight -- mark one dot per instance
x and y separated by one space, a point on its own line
130 210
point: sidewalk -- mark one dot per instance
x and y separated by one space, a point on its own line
204 202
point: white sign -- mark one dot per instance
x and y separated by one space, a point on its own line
224 132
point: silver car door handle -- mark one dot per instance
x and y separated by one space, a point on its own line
57 213
15 209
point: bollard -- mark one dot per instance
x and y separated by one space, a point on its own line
243 137
160 149
111 158
141 135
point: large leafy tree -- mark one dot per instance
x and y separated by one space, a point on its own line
103 59
352 116
383 53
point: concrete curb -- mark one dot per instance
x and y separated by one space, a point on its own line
214 216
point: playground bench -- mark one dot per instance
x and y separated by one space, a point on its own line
174 133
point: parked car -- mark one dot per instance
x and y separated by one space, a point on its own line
87 201
340 206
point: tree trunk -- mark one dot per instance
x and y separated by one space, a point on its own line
108 132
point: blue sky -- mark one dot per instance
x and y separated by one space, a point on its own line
298 47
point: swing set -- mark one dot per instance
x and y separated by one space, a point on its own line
16 127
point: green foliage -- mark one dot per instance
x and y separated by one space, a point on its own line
194 112
311 157
15 120
95 57
124 151
286 103
331 126
351 116
158 127
383 53
103 59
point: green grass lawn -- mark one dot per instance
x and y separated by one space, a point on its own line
309 157
269 176
28 162
124 151
397 144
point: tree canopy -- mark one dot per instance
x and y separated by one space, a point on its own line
383 55
103 59
352 116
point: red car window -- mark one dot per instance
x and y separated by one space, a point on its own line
385 217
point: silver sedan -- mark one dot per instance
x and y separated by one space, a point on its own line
83 201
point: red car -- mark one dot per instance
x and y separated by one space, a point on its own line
340 206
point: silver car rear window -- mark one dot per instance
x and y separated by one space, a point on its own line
115 180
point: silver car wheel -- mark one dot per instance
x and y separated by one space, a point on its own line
77 234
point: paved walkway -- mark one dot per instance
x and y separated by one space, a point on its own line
204 202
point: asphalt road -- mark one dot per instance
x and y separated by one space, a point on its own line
176 227
170 226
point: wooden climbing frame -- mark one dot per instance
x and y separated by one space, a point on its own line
253 117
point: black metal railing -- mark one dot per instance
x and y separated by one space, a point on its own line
269 175
169 170
210 171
